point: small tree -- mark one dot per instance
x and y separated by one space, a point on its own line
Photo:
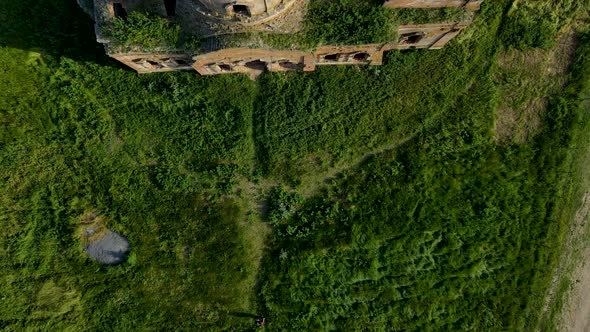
282 204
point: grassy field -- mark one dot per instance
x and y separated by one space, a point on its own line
575 245
431 193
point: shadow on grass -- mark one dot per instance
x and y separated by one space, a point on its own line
244 315
52 28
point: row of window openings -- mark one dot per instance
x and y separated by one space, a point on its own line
120 11
163 63
256 64
406 38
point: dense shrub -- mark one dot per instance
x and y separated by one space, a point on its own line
282 204
527 29
144 31
348 22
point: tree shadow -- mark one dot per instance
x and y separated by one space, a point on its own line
244 315
53 28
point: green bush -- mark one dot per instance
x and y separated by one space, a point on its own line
428 15
282 204
524 30
348 22
144 31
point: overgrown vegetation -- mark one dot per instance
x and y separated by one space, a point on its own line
157 178
143 31
429 15
348 22
531 24
418 237
414 217
282 205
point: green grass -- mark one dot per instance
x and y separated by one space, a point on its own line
413 217
338 114
420 237
576 185
152 154
531 24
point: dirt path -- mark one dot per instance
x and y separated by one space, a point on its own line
576 314
577 318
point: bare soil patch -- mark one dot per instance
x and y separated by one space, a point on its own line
527 79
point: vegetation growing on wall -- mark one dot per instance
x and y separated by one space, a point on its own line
145 32
348 22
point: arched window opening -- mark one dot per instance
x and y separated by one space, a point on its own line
331 57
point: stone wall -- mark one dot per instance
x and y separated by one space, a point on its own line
431 36
246 60
469 4
240 7
152 63
257 60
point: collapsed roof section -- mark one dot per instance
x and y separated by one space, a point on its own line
210 19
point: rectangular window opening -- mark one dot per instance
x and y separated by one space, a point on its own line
331 57
411 38
119 10
225 67
241 10
170 7
361 56
256 64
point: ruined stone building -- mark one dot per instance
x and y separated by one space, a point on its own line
214 20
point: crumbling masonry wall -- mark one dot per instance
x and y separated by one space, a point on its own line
150 62
256 60
244 60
